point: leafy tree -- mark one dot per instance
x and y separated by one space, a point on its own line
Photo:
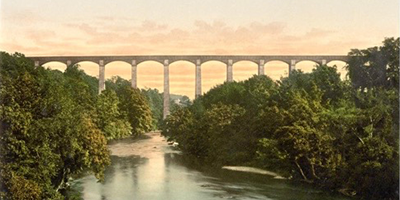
84 87
109 118
134 106
155 99
185 101
375 66
116 82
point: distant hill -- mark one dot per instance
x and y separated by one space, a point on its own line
173 97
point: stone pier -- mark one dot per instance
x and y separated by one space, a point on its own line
198 79
229 71
292 66
134 74
102 82
166 89
261 67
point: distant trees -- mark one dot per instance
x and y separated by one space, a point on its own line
314 127
155 99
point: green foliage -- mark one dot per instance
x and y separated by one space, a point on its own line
109 118
213 127
375 66
116 82
134 106
54 125
155 99
22 188
46 135
84 86
94 154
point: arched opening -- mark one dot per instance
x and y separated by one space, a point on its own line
150 74
212 74
341 68
306 66
276 69
55 65
243 70
89 67
182 78
118 68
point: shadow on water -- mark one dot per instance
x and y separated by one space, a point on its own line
244 185
159 172
121 166
129 140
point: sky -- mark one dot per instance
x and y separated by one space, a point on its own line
210 27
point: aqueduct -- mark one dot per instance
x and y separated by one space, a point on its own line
197 60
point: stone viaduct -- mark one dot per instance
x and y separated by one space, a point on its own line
197 60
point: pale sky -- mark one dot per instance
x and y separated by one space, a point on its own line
146 27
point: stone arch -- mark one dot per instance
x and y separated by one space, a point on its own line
340 67
337 58
77 60
244 69
213 72
306 66
150 74
307 59
244 60
89 67
212 59
286 61
182 78
55 65
276 69
118 68
187 60
215 61
140 61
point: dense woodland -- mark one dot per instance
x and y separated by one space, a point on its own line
55 125
314 127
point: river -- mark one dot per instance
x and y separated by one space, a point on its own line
149 168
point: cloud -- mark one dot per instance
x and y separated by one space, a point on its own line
150 37
110 36
24 16
41 35
318 33
151 26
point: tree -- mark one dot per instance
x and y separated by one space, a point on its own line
109 119
134 106
155 99
116 82
375 66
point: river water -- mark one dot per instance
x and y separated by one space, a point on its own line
149 168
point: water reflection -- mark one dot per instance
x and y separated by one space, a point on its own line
150 169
